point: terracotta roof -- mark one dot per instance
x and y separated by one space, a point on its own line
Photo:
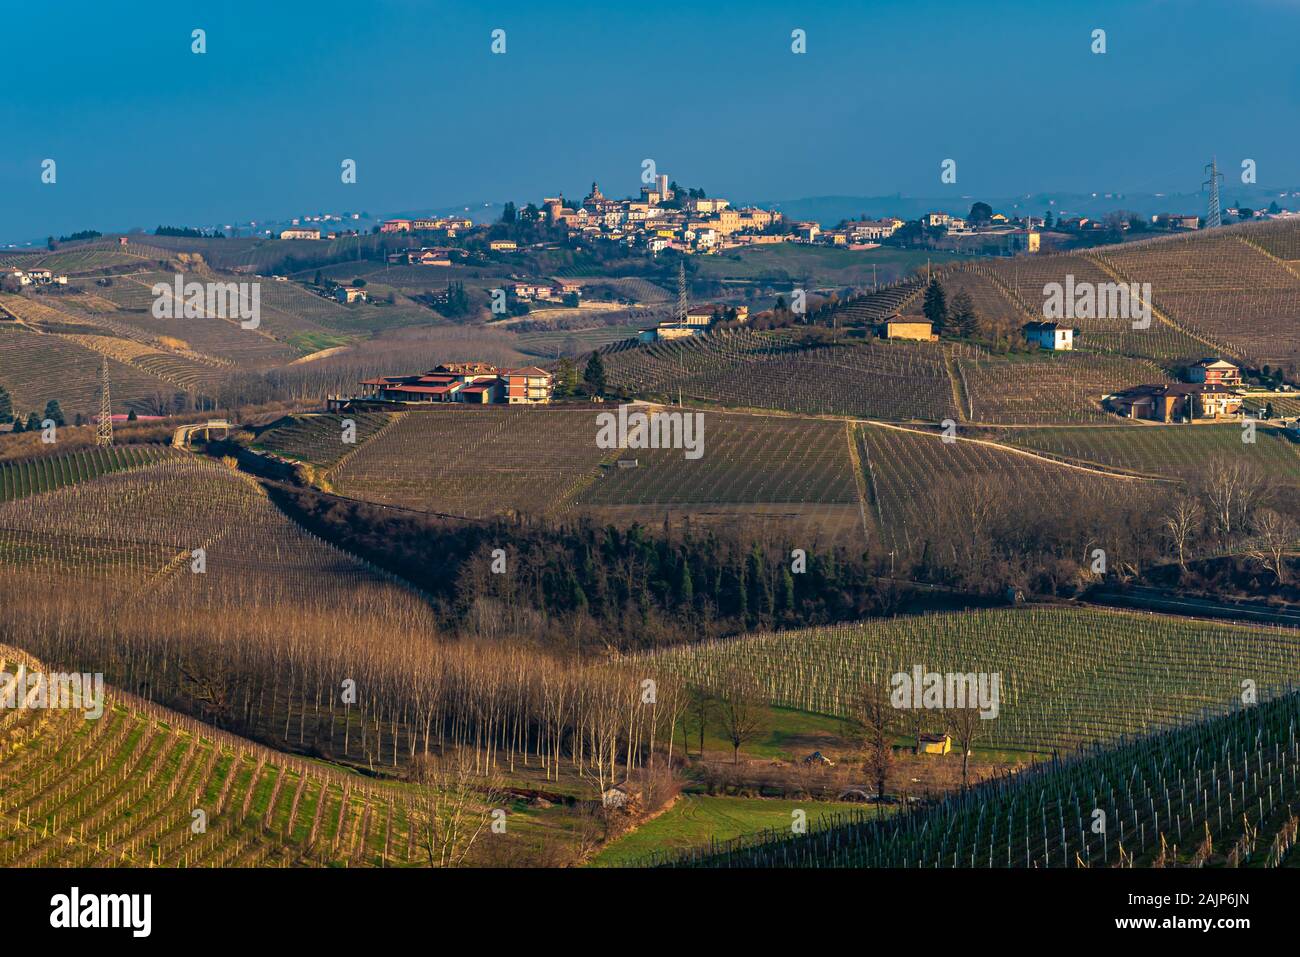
424 389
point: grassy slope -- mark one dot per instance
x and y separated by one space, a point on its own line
697 819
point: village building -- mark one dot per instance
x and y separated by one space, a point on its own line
477 383
300 232
1179 402
910 327
935 743
1215 372
350 294
503 245
1050 335
38 277
527 386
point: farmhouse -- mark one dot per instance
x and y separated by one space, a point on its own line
300 232
706 313
935 743
1050 335
896 327
534 290
435 256
38 277
1215 372
1175 403
503 245
477 383
349 294
395 226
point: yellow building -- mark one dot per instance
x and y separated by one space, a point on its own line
936 743
918 329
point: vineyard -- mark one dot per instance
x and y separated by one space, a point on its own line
793 474
1047 386
1177 452
1068 677
36 368
1222 287
318 439
872 379
916 482
1023 281
145 787
24 477
797 474
477 462
1218 793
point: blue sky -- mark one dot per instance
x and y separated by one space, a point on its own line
145 132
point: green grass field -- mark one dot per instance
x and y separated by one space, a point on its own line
696 819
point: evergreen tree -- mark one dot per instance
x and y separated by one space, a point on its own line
963 315
936 305
566 377
6 406
33 422
786 605
18 424
685 586
594 374
53 412
131 416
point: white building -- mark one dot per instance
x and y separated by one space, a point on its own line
1050 335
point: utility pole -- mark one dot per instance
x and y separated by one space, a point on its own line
104 428
1214 217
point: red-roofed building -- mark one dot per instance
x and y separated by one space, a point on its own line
527 386
475 382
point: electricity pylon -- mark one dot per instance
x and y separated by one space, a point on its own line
104 428
1213 217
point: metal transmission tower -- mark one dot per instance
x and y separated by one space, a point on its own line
1213 217
682 307
104 428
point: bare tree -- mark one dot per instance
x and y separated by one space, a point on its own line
1181 524
873 723
453 808
965 724
1275 535
1232 488
740 709
700 707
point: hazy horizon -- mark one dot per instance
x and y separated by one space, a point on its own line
145 132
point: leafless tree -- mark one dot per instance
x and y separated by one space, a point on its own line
1275 535
740 709
1181 524
966 727
873 724
453 809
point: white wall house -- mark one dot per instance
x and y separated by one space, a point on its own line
1050 335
